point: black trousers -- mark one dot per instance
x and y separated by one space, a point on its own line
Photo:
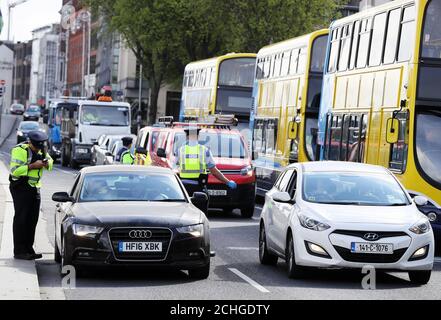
27 209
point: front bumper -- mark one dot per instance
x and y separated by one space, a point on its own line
183 253
242 197
338 247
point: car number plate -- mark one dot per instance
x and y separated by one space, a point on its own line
378 248
217 192
140 247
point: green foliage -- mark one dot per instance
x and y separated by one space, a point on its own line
165 35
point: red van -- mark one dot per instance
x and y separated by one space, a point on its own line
230 154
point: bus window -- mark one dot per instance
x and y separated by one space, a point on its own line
393 29
286 61
294 61
237 72
258 137
356 138
335 137
407 34
270 136
345 47
335 47
319 54
302 61
431 45
355 37
398 155
311 127
377 39
363 45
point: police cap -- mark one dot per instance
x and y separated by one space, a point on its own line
38 138
127 140
189 129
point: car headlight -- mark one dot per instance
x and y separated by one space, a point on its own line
421 227
82 230
196 230
247 171
20 133
312 224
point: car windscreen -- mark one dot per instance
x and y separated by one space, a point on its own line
221 145
113 116
353 188
34 109
28 126
131 186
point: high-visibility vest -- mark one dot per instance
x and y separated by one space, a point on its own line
143 160
192 161
21 157
127 157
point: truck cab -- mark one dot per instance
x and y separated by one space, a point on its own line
82 125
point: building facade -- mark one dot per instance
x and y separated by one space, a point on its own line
6 75
22 72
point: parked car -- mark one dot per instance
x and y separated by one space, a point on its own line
102 154
33 113
17 108
230 154
24 128
163 227
345 215
114 151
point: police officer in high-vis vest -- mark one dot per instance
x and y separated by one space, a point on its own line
195 161
124 155
28 161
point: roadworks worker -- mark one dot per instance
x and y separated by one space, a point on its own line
195 161
124 155
28 161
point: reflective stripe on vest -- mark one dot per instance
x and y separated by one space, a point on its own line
192 161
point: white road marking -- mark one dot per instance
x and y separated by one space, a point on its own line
242 248
249 280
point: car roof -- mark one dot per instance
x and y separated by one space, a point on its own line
339 166
126 168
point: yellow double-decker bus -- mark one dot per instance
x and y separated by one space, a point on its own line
381 100
287 90
221 85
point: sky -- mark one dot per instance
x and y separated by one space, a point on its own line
29 16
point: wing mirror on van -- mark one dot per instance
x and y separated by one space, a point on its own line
161 153
393 130
293 128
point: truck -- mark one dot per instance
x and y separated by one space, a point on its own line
83 123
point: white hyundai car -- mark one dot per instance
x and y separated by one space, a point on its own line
345 215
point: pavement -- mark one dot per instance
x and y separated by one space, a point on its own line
236 273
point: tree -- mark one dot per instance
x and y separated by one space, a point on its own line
165 35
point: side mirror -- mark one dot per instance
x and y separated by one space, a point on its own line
62 197
420 201
141 150
200 201
283 197
393 130
292 130
161 153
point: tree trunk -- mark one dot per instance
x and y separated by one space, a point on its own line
153 107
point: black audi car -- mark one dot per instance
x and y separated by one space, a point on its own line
132 216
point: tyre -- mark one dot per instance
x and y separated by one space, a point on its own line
65 258
420 277
294 270
265 256
200 273
57 255
72 163
247 212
